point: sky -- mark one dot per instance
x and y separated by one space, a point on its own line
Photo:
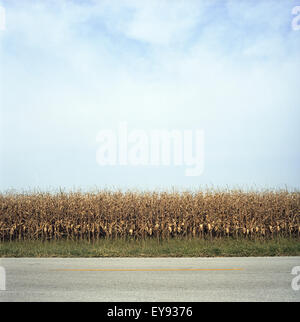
71 69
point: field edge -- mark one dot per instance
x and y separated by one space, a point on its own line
176 247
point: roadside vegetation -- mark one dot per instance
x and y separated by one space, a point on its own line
176 247
115 223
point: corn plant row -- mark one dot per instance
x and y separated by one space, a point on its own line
116 214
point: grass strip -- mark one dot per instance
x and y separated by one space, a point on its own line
176 247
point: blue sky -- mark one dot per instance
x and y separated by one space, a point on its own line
69 69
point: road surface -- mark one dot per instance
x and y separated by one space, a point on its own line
150 279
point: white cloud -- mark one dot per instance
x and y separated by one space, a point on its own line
162 22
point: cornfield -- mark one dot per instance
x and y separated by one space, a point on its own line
116 214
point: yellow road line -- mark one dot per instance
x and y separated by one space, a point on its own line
145 269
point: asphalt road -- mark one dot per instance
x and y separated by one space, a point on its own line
150 279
